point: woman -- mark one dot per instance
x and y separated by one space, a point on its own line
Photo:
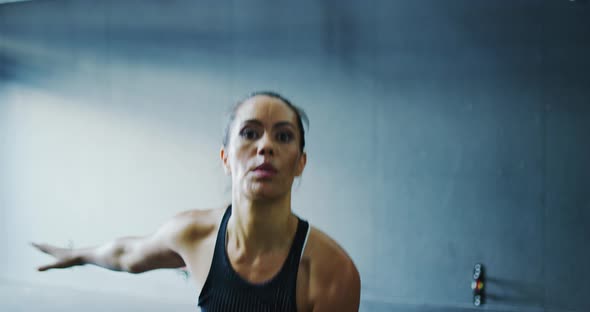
255 254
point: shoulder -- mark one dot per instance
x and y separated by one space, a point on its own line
189 227
334 281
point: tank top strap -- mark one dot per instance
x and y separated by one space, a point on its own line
298 245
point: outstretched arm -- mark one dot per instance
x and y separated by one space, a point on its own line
128 254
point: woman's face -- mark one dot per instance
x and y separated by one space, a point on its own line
263 154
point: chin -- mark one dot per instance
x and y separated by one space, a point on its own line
262 191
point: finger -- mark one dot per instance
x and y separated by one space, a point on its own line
48 249
44 248
58 265
45 268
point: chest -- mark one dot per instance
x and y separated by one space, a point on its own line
199 260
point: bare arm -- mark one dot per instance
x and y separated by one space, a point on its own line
335 283
342 292
128 254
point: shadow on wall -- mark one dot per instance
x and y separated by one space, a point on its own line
514 293
14 69
28 63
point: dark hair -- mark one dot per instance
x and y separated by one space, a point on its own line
301 116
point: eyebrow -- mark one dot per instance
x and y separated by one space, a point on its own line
276 125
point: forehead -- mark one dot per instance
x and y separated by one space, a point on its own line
266 109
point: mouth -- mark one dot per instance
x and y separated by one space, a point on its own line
265 170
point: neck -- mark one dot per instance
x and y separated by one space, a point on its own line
258 226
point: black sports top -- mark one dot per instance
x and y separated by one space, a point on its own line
225 290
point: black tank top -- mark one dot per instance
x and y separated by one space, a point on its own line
225 290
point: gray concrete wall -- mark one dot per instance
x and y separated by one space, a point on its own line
442 134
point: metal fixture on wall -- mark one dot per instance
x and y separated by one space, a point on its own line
477 285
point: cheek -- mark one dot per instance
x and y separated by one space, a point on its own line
240 158
294 161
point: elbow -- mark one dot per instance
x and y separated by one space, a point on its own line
130 264
125 259
133 267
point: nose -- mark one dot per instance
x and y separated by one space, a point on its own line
266 145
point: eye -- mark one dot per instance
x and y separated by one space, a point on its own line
284 136
249 134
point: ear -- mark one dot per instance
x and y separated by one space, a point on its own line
223 155
301 164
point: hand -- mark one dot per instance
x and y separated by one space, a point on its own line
65 257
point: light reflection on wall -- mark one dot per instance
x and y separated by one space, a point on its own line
78 173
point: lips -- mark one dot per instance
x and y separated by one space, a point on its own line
266 167
265 170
